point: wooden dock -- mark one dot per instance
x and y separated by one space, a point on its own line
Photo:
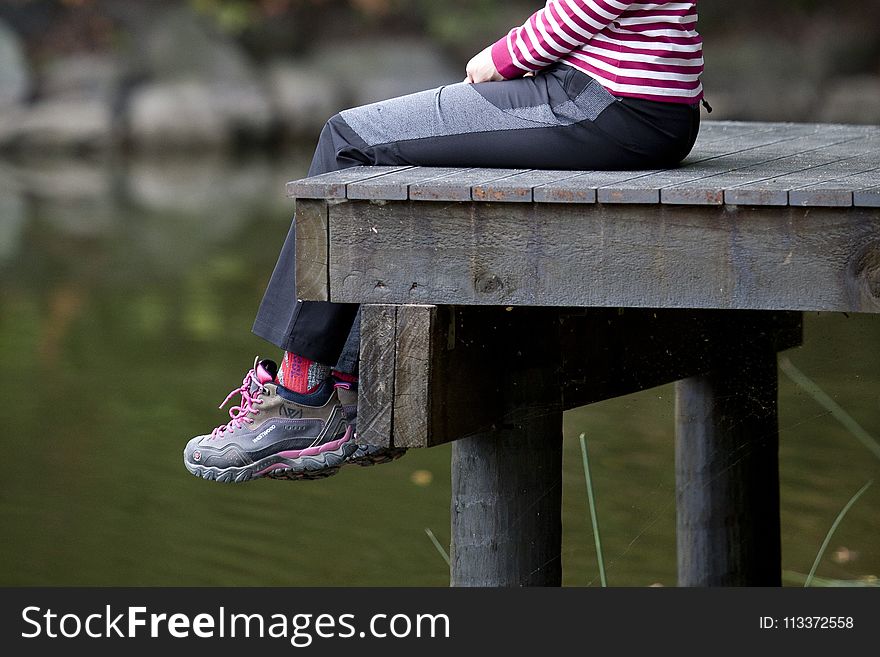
497 299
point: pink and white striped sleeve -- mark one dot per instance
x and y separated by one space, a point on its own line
553 32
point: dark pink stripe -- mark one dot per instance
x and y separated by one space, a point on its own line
641 82
647 13
644 66
647 27
565 28
532 47
680 41
659 54
546 44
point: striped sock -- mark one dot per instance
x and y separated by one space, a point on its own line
301 374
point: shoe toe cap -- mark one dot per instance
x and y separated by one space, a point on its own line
193 452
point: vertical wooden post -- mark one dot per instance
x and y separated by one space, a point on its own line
727 472
507 486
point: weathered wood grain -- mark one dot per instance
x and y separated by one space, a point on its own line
758 164
727 472
517 188
395 186
506 504
848 158
333 185
839 192
312 244
867 198
716 139
600 255
414 387
721 158
457 186
376 385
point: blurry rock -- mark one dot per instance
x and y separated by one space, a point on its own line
14 75
853 99
178 113
58 125
179 46
188 114
373 70
82 76
302 98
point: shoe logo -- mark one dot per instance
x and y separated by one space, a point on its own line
264 434
289 412
197 456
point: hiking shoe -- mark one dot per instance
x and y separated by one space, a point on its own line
275 432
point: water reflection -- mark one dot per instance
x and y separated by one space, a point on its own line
127 293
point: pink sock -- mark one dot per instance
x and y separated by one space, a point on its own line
301 374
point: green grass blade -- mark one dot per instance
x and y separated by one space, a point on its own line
593 517
831 531
830 405
440 549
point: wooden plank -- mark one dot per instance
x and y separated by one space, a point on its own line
414 342
754 185
867 198
312 243
446 357
785 157
751 149
395 185
727 471
517 188
376 373
602 255
332 185
840 192
641 186
847 161
711 130
457 186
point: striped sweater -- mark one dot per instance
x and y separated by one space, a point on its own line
642 50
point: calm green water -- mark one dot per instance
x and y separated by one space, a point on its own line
126 299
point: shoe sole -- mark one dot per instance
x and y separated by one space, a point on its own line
368 455
305 467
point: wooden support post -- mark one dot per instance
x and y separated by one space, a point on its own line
727 471
507 481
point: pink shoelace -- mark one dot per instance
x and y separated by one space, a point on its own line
240 414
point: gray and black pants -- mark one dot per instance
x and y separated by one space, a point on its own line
559 119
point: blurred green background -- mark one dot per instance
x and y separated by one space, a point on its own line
143 152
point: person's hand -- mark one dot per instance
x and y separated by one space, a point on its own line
481 68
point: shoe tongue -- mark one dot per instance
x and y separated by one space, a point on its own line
267 370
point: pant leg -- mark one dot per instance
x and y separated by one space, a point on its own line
559 119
